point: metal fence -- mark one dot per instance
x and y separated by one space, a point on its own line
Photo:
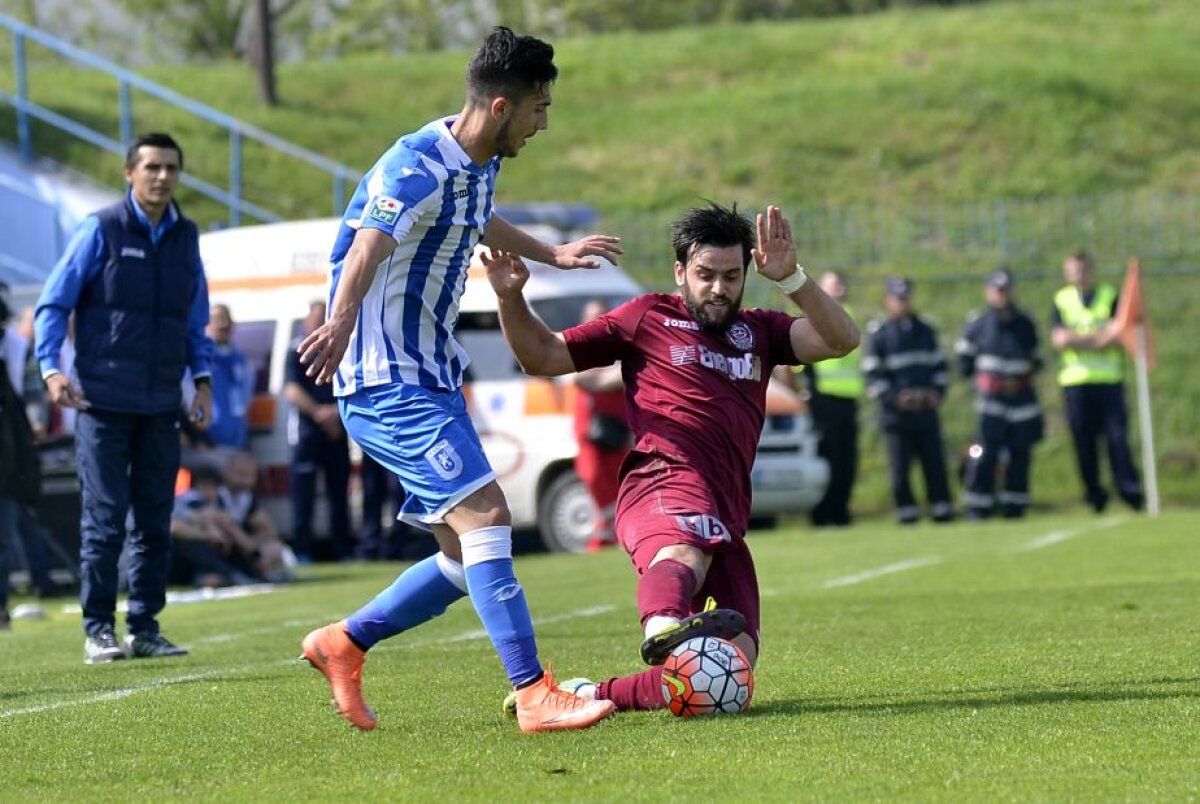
239 133
958 240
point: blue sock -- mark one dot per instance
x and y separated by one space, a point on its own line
499 601
422 592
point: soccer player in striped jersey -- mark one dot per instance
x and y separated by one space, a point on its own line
399 268
696 368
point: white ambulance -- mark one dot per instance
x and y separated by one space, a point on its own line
268 275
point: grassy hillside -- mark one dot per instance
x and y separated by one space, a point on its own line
895 113
1008 99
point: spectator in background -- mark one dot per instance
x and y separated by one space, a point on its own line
907 375
204 549
603 434
232 385
380 537
1091 372
835 386
999 349
319 444
133 278
265 554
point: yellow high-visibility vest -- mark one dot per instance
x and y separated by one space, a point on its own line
1088 366
841 376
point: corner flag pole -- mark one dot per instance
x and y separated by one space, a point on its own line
1135 336
1145 420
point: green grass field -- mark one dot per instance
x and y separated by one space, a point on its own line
1051 659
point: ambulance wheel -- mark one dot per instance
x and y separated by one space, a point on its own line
565 512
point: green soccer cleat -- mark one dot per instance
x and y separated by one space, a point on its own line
711 622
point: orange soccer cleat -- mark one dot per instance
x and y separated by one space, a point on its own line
542 706
330 650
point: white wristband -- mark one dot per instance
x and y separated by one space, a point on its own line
793 282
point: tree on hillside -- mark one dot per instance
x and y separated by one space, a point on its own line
217 29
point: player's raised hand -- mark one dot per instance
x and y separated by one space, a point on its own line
323 348
507 272
575 254
775 257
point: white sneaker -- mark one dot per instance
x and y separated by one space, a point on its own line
102 648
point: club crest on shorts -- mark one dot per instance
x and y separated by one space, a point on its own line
740 336
445 460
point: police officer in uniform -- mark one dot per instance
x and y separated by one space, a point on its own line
1091 372
999 350
907 375
835 386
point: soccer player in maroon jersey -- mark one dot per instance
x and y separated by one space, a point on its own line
696 368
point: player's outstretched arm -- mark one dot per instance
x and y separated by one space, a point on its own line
828 330
539 351
503 236
322 349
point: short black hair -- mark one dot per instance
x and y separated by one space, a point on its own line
508 65
155 139
206 473
713 225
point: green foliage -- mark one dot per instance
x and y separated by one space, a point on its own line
989 670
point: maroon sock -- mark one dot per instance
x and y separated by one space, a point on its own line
640 691
665 590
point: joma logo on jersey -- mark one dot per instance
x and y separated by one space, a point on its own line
746 367
678 324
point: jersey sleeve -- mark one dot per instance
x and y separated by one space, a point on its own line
397 193
779 338
606 339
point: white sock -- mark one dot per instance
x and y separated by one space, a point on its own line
657 624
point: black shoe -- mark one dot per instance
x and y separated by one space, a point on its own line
1013 511
5 620
1135 501
1098 503
978 514
102 648
712 622
142 646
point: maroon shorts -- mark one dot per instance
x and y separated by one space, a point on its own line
663 505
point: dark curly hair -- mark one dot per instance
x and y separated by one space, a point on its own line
510 66
713 225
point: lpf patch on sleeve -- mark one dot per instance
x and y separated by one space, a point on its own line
384 208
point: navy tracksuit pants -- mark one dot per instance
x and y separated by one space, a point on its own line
126 461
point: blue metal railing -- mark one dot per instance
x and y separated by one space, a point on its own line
239 132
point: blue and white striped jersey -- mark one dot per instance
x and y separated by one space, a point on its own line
427 194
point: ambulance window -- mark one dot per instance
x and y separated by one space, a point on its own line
255 340
479 333
566 311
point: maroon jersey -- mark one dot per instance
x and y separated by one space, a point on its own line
693 397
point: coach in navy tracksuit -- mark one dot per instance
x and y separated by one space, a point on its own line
132 276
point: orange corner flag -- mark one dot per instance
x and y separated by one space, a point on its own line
1131 313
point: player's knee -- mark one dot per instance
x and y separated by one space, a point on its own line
691 557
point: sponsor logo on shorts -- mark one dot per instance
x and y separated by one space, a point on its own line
384 208
705 526
740 336
445 460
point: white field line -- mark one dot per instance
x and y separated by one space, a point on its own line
110 695
887 569
1056 536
